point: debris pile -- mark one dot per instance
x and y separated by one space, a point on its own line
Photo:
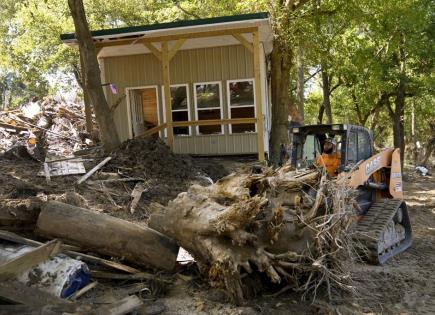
45 127
291 226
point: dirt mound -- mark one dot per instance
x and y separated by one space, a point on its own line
166 174
151 158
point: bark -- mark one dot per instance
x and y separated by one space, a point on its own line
109 135
107 235
19 212
326 94
300 82
246 224
414 135
86 99
281 105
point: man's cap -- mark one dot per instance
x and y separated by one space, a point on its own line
331 140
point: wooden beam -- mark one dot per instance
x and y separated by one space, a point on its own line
210 122
68 249
20 293
153 49
167 92
176 37
244 42
258 98
176 47
154 130
28 260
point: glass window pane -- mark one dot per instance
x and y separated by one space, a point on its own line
363 146
243 112
180 116
352 148
178 97
207 95
241 93
206 115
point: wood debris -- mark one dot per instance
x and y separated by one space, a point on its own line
249 223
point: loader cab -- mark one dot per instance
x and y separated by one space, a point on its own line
354 143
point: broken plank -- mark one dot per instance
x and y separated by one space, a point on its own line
120 276
83 290
138 189
124 306
66 249
47 172
20 293
92 171
28 260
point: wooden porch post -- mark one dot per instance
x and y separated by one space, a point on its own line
258 98
167 90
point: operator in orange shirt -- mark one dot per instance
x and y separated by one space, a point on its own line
330 159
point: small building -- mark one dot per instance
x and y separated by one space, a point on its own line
201 85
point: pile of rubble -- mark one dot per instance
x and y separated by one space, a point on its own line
46 127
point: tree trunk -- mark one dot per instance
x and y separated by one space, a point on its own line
300 82
326 94
109 135
281 64
19 212
320 115
86 100
107 235
399 118
414 135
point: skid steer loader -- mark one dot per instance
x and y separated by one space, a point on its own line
383 227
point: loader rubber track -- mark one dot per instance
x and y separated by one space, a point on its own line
374 223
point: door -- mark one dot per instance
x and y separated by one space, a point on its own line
149 101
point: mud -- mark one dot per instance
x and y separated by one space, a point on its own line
405 284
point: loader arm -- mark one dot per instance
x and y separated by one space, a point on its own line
388 158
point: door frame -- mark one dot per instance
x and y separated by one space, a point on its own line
141 87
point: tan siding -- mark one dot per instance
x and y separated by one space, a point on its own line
187 66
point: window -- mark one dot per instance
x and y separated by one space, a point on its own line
241 103
363 146
208 105
352 149
179 107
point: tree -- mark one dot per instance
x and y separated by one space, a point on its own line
92 77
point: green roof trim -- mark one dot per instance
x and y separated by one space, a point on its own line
162 26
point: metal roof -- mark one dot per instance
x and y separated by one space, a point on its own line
134 30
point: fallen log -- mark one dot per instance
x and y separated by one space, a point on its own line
107 235
19 212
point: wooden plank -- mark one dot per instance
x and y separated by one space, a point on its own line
167 92
124 306
209 122
153 50
121 276
20 293
138 189
176 47
28 260
243 30
258 98
83 290
92 171
47 172
152 131
244 42
66 249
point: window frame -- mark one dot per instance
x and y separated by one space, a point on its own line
195 102
129 107
177 110
243 106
